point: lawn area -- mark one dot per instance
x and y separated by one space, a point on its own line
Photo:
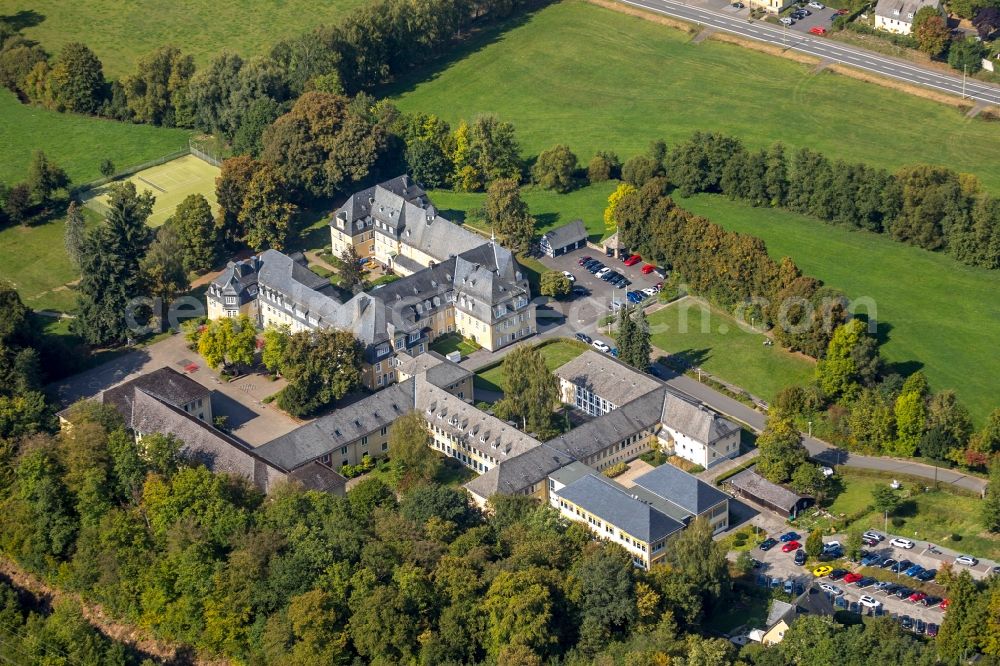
597 79
933 516
550 209
705 337
76 143
555 353
34 259
932 310
199 27
454 342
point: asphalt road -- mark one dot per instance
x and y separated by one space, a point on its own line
822 47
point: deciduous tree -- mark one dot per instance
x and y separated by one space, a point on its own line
414 460
555 284
555 169
77 80
266 214
320 366
530 389
231 187
781 449
192 220
931 31
508 216
156 90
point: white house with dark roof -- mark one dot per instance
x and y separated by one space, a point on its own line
563 239
897 15
696 433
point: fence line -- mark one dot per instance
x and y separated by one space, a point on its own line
81 190
205 156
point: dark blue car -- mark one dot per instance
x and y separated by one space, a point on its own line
789 536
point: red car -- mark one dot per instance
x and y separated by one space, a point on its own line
790 546
583 260
852 578
818 30
916 596
633 260
943 605
648 268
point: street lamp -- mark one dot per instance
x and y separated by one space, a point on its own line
810 428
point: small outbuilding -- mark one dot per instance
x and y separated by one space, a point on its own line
564 239
752 486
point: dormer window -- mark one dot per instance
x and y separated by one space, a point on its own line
895 12
909 15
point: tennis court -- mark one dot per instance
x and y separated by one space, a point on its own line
170 183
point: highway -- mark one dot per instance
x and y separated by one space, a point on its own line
822 47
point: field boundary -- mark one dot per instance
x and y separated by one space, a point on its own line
80 190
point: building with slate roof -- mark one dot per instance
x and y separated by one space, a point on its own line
563 239
757 489
597 383
696 433
898 15
454 281
688 493
616 514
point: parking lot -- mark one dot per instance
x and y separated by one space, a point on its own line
599 290
777 567
822 18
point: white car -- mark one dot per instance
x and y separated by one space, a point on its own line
900 542
966 560
817 5
600 346
601 272
827 471
831 589
869 602
649 291
831 545
787 21
569 276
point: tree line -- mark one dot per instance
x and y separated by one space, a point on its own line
732 270
931 207
237 97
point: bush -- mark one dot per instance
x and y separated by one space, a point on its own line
604 166
366 465
956 537
616 470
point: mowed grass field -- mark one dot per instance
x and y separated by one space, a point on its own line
170 183
596 79
556 353
119 32
76 143
706 337
34 260
931 309
549 208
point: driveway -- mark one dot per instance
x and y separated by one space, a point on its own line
241 400
822 18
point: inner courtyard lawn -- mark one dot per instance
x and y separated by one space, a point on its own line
698 335
76 143
933 312
119 32
556 354
596 79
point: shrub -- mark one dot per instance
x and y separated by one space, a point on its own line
956 537
616 470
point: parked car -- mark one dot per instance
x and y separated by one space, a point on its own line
872 534
649 291
822 570
888 563
869 601
903 592
600 346
648 268
800 557
867 581
869 541
831 545
788 536
916 596
919 626
966 560
633 297
906 621
817 5
837 574
583 337
582 260
790 546
913 570
932 629
768 544
900 542
892 588
901 566
737 5
569 276
580 291
944 604
818 30
930 601
789 586
871 560
601 272
831 589
787 20
852 578
633 260
927 575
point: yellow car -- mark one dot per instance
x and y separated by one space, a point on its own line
824 570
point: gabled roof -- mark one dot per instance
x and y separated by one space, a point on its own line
695 420
607 377
901 10
614 505
165 384
683 489
753 484
567 234
519 473
640 414
342 426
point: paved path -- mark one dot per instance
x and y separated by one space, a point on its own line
825 49
817 448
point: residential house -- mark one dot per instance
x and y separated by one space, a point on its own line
563 239
897 15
